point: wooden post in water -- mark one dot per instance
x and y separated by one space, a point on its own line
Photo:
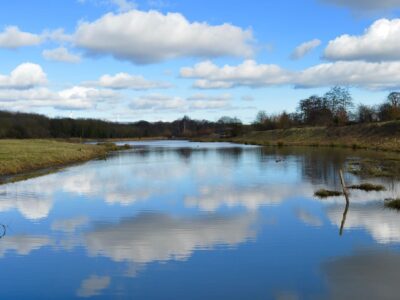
346 195
345 192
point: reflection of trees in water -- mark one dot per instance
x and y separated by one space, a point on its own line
184 153
230 154
317 165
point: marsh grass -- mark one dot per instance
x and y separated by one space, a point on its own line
393 203
327 193
368 187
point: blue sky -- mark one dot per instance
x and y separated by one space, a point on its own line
162 59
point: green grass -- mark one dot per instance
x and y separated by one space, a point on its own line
20 156
368 187
393 203
327 193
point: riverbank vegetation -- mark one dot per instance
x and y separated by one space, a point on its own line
19 156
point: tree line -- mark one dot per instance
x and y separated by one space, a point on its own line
28 125
334 108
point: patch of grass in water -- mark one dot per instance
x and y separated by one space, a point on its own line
393 203
327 193
114 147
368 187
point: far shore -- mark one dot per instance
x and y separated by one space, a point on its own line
383 136
19 158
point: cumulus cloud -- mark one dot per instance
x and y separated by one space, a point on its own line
128 81
380 42
157 102
249 73
23 244
211 198
196 102
153 237
93 286
24 76
32 205
305 48
202 101
61 54
369 75
12 37
366 5
373 76
74 98
79 97
150 37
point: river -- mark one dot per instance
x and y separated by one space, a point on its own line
181 220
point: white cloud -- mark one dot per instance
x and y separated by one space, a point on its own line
249 73
201 101
61 54
366 5
196 102
380 42
157 102
74 98
79 97
305 48
12 37
24 76
369 75
149 37
158 237
360 74
211 198
128 81
93 286
23 244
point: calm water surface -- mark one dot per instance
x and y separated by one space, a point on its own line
180 220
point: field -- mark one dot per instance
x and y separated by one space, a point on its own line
19 156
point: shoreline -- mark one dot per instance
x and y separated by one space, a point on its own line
381 137
24 159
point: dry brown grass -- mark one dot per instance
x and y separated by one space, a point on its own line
375 136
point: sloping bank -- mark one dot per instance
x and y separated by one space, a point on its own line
24 156
376 136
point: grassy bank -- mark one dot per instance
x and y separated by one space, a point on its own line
376 136
20 156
